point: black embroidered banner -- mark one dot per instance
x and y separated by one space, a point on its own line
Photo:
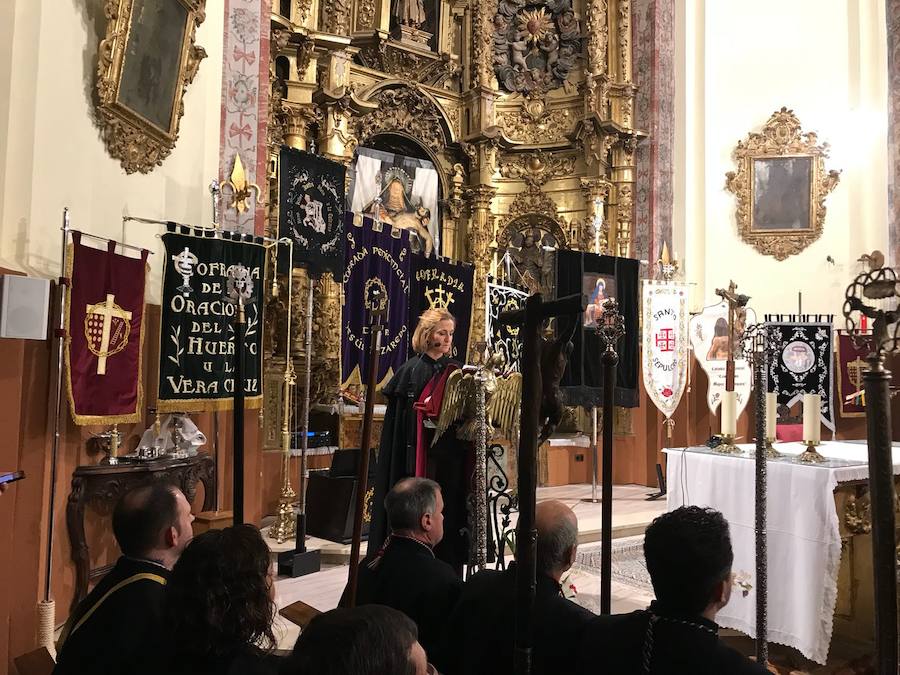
197 347
377 260
311 207
502 337
802 363
439 282
600 277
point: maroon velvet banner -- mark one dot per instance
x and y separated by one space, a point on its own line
104 324
851 362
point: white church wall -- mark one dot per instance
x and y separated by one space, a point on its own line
738 63
51 153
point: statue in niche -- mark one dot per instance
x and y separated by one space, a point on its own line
409 13
528 261
394 205
535 44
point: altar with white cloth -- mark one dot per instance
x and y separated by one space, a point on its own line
804 537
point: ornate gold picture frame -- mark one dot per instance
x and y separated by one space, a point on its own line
146 62
781 185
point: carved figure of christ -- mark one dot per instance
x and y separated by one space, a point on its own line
107 310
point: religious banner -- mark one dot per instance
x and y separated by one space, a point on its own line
709 340
502 338
378 268
446 284
105 329
803 363
600 277
665 344
401 191
196 339
310 211
851 360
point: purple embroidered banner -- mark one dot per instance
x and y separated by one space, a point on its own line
377 267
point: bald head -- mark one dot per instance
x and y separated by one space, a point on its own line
557 529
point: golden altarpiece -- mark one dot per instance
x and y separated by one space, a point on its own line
525 107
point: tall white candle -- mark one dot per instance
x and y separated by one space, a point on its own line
812 404
771 415
729 413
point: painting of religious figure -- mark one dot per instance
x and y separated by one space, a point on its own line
781 193
398 190
151 70
598 288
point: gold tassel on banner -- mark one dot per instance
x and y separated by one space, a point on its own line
670 426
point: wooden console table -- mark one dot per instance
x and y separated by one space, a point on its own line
105 483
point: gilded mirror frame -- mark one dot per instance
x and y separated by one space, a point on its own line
782 146
138 129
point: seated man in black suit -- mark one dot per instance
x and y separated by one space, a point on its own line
689 557
480 636
404 574
110 628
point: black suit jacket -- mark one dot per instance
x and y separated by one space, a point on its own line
115 635
480 636
681 646
409 578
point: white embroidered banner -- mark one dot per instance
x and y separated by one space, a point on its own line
665 348
709 340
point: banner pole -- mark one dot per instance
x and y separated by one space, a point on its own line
47 608
376 328
238 412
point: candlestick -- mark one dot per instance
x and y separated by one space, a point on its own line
729 413
771 415
812 405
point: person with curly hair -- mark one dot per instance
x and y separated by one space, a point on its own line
689 557
219 607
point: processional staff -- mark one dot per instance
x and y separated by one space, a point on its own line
240 289
879 284
378 307
542 366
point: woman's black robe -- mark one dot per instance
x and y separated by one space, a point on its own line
397 451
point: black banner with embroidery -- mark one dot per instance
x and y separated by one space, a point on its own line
503 338
802 363
439 282
600 277
197 347
311 208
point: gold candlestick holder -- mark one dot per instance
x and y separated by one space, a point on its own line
727 446
811 455
112 439
771 452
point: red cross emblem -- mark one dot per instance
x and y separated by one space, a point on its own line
665 341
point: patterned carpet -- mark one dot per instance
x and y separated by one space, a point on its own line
628 565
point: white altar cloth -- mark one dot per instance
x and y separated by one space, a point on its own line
804 543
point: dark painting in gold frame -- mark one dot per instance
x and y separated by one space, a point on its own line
146 62
780 185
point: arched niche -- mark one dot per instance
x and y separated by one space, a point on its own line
525 245
409 184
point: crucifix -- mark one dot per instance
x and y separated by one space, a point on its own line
106 310
737 318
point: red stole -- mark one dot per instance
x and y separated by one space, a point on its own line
429 406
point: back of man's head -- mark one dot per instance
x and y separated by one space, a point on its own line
688 553
408 501
365 640
557 530
142 517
